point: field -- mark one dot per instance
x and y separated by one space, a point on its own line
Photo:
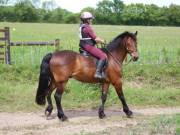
153 81
156 44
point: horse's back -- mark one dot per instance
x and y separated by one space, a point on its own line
64 57
72 64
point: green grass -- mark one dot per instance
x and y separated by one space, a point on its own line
156 45
18 88
177 119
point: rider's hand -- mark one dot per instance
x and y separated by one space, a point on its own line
99 40
102 41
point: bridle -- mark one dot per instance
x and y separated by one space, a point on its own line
104 45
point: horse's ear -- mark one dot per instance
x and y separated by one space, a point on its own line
136 33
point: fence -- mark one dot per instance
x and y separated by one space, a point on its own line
4 46
8 47
33 52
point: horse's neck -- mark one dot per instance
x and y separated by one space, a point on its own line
120 54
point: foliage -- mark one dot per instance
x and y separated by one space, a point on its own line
25 12
107 12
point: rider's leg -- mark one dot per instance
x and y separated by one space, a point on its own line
98 53
99 70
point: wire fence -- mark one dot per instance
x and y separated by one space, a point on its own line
33 55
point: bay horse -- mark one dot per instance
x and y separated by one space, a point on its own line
58 67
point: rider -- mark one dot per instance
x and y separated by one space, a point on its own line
88 40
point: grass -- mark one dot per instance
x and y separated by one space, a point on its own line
157 45
18 88
177 118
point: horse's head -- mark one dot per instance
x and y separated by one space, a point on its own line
126 42
130 44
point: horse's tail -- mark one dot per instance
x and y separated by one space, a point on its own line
44 80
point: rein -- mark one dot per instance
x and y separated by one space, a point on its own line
115 59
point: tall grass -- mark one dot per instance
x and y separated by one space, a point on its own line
156 45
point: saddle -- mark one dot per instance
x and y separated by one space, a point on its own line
87 54
84 52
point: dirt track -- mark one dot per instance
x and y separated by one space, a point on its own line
79 122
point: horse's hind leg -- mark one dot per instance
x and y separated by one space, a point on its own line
49 108
58 96
105 88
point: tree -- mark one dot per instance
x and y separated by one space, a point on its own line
109 11
118 7
72 18
49 5
36 3
56 16
173 14
25 11
4 2
133 14
104 12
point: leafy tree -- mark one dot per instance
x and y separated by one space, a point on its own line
173 14
49 5
26 12
7 14
4 2
104 12
56 16
72 18
134 14
109 12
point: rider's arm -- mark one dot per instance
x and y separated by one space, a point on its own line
99 40
93 35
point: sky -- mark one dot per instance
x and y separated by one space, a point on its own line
77 5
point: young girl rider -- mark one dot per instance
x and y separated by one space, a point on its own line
88 41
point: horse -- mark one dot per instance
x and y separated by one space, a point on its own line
58 67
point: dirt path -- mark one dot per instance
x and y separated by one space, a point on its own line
80 121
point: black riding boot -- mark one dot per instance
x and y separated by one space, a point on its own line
99 69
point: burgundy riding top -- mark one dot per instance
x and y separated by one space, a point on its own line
87 35
87 41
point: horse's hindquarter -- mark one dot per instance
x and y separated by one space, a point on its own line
62 64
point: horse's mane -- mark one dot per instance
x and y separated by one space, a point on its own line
118 41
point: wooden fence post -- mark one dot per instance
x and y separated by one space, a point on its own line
57 44
8 50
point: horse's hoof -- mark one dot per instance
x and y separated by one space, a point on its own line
48 111
129 114
102 115
62 117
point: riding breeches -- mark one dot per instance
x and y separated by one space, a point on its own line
96 52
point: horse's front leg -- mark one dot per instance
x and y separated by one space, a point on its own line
119 91
105 88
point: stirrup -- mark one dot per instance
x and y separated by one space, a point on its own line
103 74
98 75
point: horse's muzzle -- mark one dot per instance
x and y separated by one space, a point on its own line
134 56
